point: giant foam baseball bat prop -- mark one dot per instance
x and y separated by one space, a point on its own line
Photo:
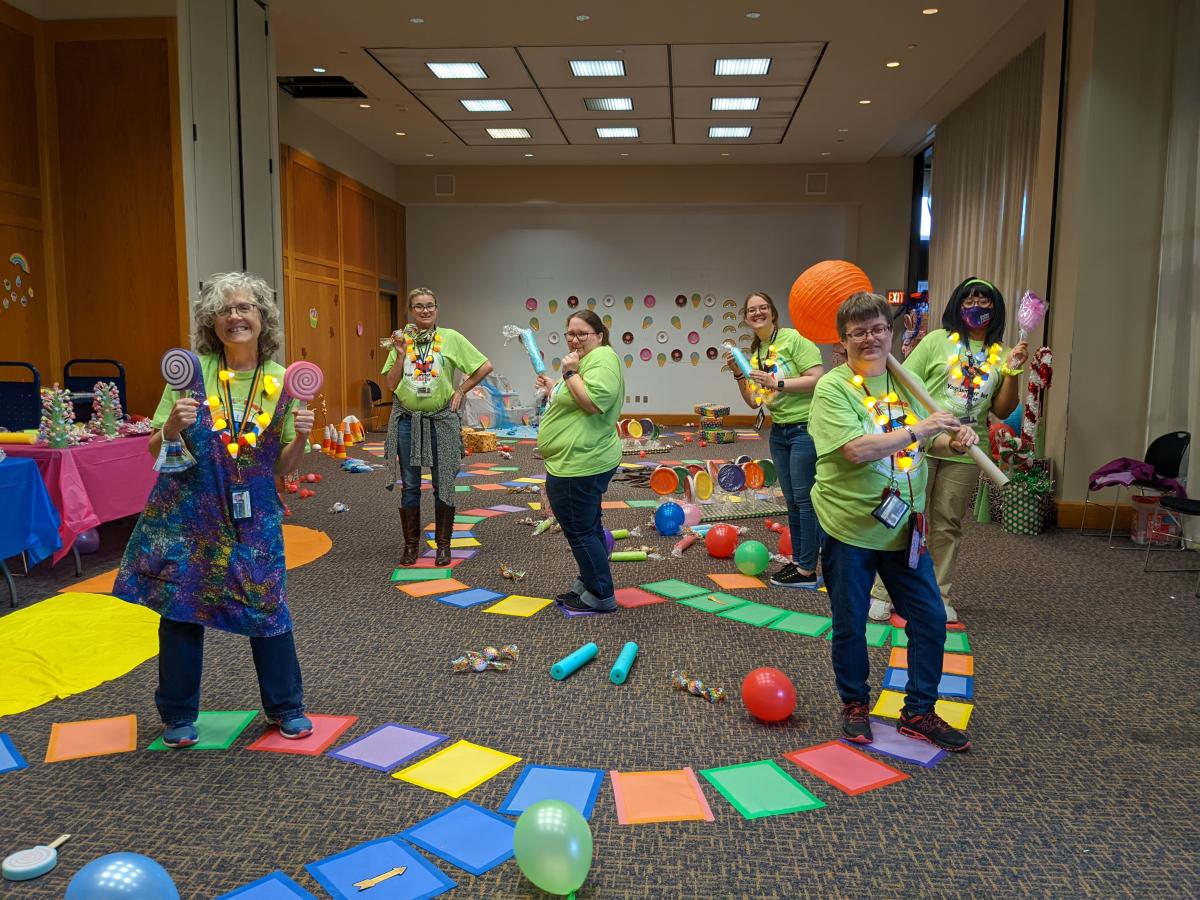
813 304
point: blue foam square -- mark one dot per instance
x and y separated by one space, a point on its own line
10 757
465 834
275 886
950 685
473 597
432 535
578 787
339 873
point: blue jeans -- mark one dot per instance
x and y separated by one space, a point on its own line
795 459
849 573
575 502
411 495
181 661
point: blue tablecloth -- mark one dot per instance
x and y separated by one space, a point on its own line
28 520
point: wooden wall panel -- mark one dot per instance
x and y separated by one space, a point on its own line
321 344
18 108
358 230
362 352
314 212
387 231
116 114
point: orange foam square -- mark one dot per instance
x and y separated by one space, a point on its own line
93 737
613 504
952 663
732 580
667 796
429 588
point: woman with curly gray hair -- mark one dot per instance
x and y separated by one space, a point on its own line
208 549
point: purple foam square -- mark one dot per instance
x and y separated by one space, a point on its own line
504 507
456 553
572 613
891 742
387 746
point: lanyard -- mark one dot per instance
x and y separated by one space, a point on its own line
879 408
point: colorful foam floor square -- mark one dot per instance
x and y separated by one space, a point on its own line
427 561
672 795
458 543
956 714
92 737
276 886
386 868
473 597
455 553
731 581
412 574
802 623
577 787
716 602
388 746
758 789
465 835
481 513
956 641
952 663
633 597
850 771
890 742
217 730
506 508
326 730
459 768
464 519
674 589
519 605
949 686
429 588
10 758
375 448
758 614
877 634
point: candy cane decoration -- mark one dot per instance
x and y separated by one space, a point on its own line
1041 372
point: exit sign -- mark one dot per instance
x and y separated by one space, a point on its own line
896 298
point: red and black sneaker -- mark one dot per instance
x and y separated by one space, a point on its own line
933 728
856 723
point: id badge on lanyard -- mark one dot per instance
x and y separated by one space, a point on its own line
239 503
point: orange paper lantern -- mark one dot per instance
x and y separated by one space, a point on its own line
817 294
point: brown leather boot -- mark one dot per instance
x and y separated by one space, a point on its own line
410 522
443 530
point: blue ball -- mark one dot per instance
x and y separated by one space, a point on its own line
122 876
668 518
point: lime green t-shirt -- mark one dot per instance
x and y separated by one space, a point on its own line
428 380
210 364
574 443
845 493
794 355
930 362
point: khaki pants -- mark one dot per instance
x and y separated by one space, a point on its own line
948 493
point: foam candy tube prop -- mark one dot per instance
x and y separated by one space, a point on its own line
683 544
739 358
620 669
628 556
18 437
619 533
571 663
530 344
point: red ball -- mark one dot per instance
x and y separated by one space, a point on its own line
687 438
704 443
785 543
316 478
769 694
642 453
310 477
721 541
291 488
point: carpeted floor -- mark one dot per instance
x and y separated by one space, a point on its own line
1083 780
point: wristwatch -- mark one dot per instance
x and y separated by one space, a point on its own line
779 385
567 375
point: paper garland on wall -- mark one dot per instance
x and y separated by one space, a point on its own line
19 260
591 304
695 301
677 322
711 353
708 320
729 329
629 303
676 355
607 320
710 300
729 316
535 324
695 359
556 362
628 361
572 301
661 337
680 300
609 300
647 322
662 360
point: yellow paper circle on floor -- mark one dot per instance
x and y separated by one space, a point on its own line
304 545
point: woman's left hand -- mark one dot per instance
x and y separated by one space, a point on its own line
1019 355
456 400
766 379
570 362
304 419
962 439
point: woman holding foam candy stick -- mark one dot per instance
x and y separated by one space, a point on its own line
208 549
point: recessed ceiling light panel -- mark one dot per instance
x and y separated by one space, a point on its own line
721 104
486 105
508 134
320 70
723 131
598 68
608 104
617 132
457 69
864 102
893 64
742 66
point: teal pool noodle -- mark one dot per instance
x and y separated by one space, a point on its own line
574 661
620 669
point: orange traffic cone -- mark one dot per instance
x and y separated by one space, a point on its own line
341 449
327 444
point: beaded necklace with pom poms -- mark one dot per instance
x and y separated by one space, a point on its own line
770 364
246 437
889 413
422 356
972 371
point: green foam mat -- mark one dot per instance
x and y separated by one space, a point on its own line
877 634
717 601
754 614
640 504
956 641
415 574
468 520
758 789
803 623
216 730
673 588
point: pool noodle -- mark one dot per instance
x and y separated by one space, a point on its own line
628 556
574 661
620 669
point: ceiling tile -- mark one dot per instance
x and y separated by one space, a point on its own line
408 66
648 103
645 65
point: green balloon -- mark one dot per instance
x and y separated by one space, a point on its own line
553 846
752 558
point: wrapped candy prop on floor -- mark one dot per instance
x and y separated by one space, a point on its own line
485 659
683 681
510 573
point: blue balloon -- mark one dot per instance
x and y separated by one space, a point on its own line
88 541
122 876
668 518
609 541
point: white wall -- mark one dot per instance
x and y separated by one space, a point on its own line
484 262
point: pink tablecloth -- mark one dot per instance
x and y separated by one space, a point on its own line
95 482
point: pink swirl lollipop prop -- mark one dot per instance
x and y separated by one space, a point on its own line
1030 313
303 380
179 368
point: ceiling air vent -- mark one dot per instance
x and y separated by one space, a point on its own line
816 183
320 87
443 185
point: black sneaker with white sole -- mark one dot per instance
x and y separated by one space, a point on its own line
791 577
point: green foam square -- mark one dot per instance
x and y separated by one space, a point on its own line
803 623
506 468
640 504
461 488
758 789
468 520
956 642
717 601
421 574
673 588
754 614
216 730
877 634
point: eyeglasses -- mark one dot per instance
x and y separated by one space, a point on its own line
860 334
577 335
242 309
751 310
424 307
977 303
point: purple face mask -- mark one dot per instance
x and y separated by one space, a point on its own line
976 317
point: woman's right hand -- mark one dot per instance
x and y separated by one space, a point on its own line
731 365
543 383
937 423
183 416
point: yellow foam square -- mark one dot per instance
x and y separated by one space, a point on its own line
529 480
533 504
456 543
519 605
956 714
459 768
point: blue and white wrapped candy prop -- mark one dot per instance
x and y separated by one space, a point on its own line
739 357
512 332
